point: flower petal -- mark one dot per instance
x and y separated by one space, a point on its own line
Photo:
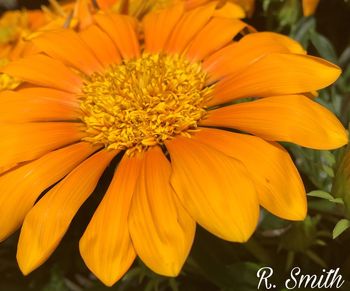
44 71
101 45
161 230
37 104
21 187
158 26
106 247
277 74
105 4
309 7
47 222
276 179
214 35
214 188
237 56
66 46
188 26
121 29
230 10
267 37
191 4
292 118
28 141
82 13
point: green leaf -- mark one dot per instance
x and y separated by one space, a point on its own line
301 31
344 57
329 171
323 46
329 157
325 195
341 226
266 4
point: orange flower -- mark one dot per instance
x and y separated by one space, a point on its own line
165 107
240 8
83 10
309 7
138 8
15 26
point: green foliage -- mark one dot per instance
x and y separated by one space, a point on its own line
341 226
325 195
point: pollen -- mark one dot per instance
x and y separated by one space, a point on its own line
142 102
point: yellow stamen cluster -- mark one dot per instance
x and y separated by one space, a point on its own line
6 81
143 102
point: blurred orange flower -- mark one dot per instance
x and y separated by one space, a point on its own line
15 26
138 8
309 7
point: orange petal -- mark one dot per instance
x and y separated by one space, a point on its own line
237 56
247 5
28 141
191 4
277 74
20 188
44 71
122 30
290 118
105 4
267 38
21 49
101 45
309 7
82 12
215 189
188 26
161 230
217 33
37 105
106 247
46 223
67 46
39 92
158 25
230 10
269 166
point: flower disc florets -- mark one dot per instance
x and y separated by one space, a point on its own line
144 101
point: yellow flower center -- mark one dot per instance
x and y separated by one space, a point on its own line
143 102
6 81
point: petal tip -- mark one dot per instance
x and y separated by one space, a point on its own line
171 270
108 275
297 215
26 265
331 72
339 139
107 280
343 140
245 236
